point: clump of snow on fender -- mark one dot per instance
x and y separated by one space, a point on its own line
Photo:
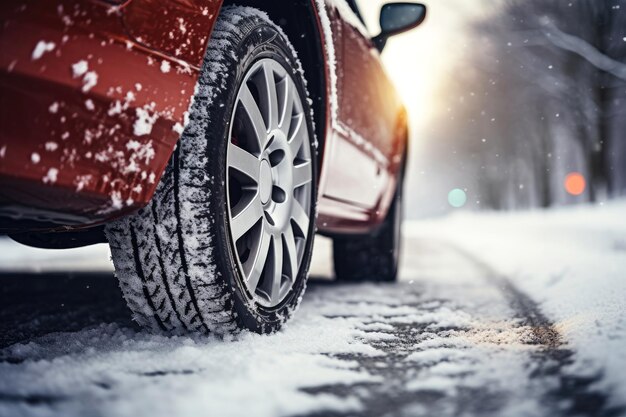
89 81
51 146
80 68
51 176
145 120
89 78
116 200
41 48
178 128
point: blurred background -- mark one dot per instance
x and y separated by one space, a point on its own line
514 104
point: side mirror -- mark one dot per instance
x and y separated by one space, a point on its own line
397 18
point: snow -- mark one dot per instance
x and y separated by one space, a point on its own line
116 200
146 119
203 379
115 108
331 57
178 128
350 17
90 79
80 68
450 324
165 66
570 260
181 25
81 181
133 372
51 176
35 158
142 151
54 108
41 48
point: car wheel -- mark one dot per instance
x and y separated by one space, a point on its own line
226 241
373 257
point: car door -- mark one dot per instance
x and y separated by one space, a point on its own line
364 152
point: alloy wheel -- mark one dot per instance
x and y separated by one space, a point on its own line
269 182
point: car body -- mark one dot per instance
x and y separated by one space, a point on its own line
94 97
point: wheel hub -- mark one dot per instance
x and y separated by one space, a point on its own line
265 182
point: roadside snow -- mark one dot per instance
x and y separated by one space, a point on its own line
572 261
22 259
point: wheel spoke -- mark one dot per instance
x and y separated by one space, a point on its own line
254 115
302 174
285 121
243 161
277 269
291 253
301 218
258 258
295 142
243 221
271 97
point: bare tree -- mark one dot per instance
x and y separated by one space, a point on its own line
545 95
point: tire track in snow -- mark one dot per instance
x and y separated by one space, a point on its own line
524 307
542 383
555 355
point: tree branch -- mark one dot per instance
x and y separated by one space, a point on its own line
585 50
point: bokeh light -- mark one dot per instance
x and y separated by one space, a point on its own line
575 183
457 198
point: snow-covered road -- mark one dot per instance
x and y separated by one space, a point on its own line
459 335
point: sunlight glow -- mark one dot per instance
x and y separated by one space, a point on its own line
419 61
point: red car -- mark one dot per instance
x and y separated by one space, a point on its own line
207 143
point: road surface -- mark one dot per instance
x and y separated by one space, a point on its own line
452 338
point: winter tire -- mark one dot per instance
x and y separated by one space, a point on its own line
226 241
373 257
